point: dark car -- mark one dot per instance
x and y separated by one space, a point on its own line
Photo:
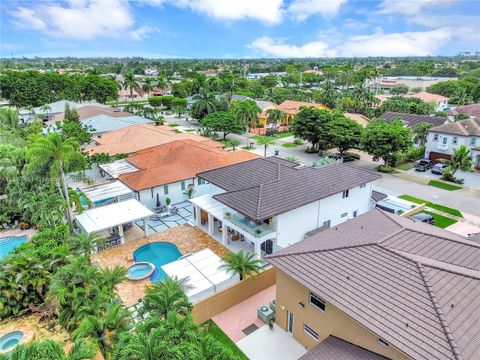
423 165
423 217
438 168
337 157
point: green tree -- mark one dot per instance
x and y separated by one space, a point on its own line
343 133
52 350
309 125
147 85
204 103
275 116
155 101
130 83
161 82
420 133
9 120
84 245
222 121
232 143
382 139
399 90
242 263
460 160
265 141
246 112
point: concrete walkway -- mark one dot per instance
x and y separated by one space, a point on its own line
271 344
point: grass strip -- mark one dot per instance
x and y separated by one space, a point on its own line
438 207
440 220
211 328
444 186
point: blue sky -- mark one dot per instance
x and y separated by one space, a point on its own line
238 28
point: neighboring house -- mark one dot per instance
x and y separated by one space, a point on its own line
133 138
89 111
412 120
389 82
384 284
440 101
167 171
270 203
443 139
358 118
472 110
105 123
57 110
125 93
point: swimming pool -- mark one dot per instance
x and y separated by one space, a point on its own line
10 340
140 271
158 254
7 244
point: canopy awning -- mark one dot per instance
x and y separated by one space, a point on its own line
210 205
117 168
106 191
109 216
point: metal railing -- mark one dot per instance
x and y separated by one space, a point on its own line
257 229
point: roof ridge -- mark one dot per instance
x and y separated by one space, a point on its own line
259 201
441 316
309 251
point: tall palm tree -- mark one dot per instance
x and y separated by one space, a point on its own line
9 120
130 83
52 350
460 160
421 132
164 297
161 82
242 263
204 102
63 156
246 112
46 109
148 85
265 141
84 244
275 116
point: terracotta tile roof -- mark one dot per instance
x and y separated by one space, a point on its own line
415 285
292 107
472 110
333 348
265 187
359 118
468 127
137 137
411 120
176 161
89 111
428 97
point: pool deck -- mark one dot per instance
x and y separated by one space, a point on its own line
17 233
187 238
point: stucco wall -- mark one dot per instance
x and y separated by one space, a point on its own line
331 322
431 145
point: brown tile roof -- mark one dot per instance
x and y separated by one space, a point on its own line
468 127
89 111
429 97
411 120
333 348
292 107
416 286
359 118
472 110
137 137
176 161
377 195
266 187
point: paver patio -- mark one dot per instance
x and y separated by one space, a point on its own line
184 215
240 316
187 238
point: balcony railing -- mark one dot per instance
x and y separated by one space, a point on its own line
442 146
257 229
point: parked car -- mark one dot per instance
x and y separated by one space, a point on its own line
438 168
423 165
423 217
337 157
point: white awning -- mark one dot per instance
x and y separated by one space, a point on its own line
109 216
106 191
210 205
117 168
201 274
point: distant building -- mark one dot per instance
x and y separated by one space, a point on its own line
440 101
387 83
151 72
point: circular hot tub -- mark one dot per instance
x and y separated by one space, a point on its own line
140 271
9 341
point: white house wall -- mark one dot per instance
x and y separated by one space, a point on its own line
432 145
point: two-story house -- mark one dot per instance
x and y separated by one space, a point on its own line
265 204
443 139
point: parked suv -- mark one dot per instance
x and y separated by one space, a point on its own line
423 217
438 168
423 165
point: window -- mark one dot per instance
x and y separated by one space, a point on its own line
326 223
165 189
383 342
182 184
345 194
435 137
363 186
444 140
317 301
355 213
201 181
473 140
310 331
455 140
344 215
151 191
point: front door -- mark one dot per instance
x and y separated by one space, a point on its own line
290 322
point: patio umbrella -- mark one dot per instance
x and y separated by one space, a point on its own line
158 201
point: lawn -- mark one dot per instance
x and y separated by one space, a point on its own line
443 185
290 145
276 136
212 329
441 221
173 125
248 147
438 207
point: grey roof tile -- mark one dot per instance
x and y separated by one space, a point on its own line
411 120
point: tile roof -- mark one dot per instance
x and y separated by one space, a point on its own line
359 118
176 161
468 127
411 120
416 286
333 348
89 111
137 137
429 97
266 187
292 107
377 195
472 110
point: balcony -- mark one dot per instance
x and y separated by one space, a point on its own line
256 229
442 146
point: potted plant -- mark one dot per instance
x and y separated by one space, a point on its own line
228 215
168 201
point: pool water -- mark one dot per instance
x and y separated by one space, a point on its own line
157 253
9 243
10 340
139 271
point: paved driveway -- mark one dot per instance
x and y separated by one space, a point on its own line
472 179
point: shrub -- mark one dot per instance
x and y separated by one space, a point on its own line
167 101
179 102
384 169
415 153
155 101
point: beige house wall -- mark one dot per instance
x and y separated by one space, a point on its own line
331 322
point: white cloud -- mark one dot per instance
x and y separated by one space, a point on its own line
80 19
410 7
355 25
419 43
143 32
303 9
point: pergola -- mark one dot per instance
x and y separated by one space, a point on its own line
111 190
117 168
113 215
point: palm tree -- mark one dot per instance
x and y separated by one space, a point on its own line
165 297
275 116
232 143
246 112
460 160
46 109
52 350
148 86
84 244
129 83
62 156
161 82
9 120
242 263
204 102
265 141
421 132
